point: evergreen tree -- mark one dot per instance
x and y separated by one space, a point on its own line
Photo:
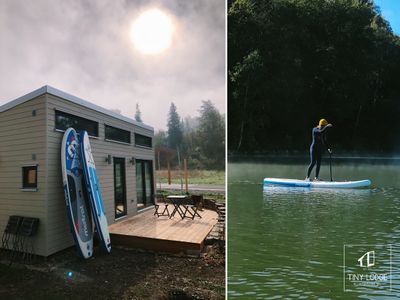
211 135
175 134
138 114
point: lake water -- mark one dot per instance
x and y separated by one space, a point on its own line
288 243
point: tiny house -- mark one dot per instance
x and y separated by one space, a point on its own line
31 131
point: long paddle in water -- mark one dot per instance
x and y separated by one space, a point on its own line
330 163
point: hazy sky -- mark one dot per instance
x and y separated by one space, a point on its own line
84 48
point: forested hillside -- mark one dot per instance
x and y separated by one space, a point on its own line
292 62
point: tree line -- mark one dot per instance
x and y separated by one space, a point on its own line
199 140
293 62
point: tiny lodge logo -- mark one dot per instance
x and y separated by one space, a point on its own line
365 271
367 260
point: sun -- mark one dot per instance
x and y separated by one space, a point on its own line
152 32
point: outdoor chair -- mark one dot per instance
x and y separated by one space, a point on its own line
27 230
195 202
17 237
161 206
9 240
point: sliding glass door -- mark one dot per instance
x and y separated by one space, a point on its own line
144 183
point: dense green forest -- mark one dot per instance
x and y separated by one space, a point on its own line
292 62
200 140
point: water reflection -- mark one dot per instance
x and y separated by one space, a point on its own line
287 243
269 191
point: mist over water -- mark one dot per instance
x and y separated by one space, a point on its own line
288 242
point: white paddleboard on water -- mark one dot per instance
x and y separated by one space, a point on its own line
93 186
316 184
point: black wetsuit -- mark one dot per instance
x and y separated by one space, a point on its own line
317 147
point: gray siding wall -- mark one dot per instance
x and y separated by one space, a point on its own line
23 135
59 236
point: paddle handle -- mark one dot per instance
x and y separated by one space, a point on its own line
330 164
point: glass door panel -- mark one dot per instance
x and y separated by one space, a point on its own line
139 184
119 187
144 183
148 168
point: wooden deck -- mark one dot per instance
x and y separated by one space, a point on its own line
146 231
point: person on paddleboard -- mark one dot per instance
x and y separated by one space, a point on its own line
317 147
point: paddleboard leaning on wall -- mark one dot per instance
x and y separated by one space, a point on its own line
93 187
76 199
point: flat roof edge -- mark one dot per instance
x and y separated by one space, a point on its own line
24 98
58 93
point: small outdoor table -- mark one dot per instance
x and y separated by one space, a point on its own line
178 201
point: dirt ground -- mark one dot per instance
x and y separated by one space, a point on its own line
123 274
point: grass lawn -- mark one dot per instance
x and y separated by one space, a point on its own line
194 177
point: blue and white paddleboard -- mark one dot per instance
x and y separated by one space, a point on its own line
316 184
93 186
78 210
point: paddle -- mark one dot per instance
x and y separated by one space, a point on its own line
330 163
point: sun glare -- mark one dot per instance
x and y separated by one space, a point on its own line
152 32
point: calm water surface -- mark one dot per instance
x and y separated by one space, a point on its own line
287 243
